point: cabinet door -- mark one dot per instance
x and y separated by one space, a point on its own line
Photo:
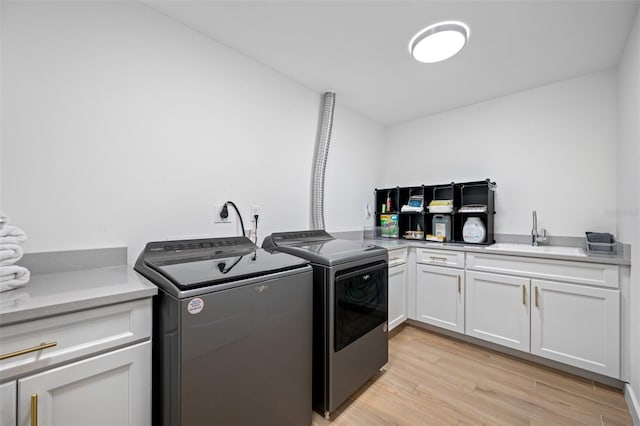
109 389
8 404
440 296
397 295
497 309
577 325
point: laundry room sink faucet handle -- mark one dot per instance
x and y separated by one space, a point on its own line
536 237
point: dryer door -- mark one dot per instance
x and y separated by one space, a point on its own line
361 302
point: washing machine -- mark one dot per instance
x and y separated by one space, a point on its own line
232 338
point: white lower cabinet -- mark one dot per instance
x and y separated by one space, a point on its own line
109 389
95 368
8 403
398 283
577 325
566 319
497 309
397 295
440 296
567 311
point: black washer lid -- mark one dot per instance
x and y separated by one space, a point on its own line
320 247
212 261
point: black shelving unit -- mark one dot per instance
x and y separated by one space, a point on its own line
461 193
410 220
393 194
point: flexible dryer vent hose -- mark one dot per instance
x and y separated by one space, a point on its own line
320 161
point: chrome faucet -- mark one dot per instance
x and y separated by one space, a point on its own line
536 238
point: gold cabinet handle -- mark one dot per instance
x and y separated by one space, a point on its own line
524 294
537 298
40 347
459 284
437 258
34 409
394 258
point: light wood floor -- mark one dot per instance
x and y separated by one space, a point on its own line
435 380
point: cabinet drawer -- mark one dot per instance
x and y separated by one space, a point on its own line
453 259
77 335
575 272
397 257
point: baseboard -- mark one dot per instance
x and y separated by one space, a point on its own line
632 403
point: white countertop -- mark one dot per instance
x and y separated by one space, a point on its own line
62 292
622 259
56 293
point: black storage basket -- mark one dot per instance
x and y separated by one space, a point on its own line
601 243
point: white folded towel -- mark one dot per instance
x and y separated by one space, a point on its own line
10 239
13 276
10 253
12 231
4 219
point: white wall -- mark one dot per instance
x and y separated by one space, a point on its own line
121 126
550 149
629 184
354 169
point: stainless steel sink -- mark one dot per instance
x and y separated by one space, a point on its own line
526 248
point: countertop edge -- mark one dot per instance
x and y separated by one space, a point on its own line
73 306
400 243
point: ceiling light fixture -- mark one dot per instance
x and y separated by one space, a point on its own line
439 41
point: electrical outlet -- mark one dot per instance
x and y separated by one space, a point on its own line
255 210
216 215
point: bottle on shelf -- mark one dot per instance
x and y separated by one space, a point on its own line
388 202
442 226
474 231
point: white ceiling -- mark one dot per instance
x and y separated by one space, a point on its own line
359 49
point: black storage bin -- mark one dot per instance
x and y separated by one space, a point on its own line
601 243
